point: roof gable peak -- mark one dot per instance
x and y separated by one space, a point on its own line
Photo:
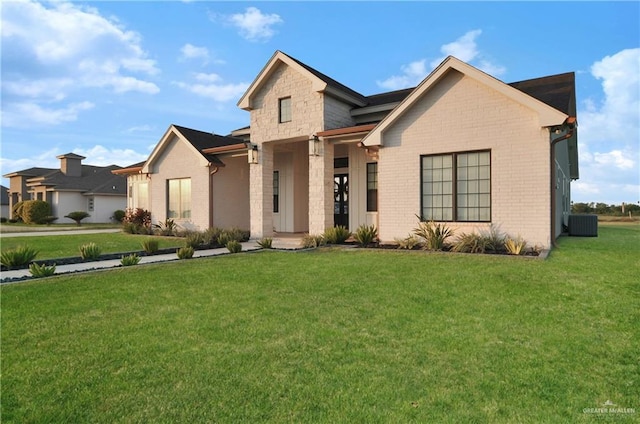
320 82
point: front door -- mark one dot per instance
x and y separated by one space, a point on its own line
341 200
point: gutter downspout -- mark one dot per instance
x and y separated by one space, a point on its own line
570 122
212 171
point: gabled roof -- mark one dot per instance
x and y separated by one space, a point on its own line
320 82
549 115
198 142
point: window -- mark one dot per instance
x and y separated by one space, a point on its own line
284 107
179 200
372 187
276 191
457 187
91 204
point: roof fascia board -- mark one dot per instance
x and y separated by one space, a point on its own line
162 145
548 116
278 57
341 95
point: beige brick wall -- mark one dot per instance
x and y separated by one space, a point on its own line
178 160
460 114
230 187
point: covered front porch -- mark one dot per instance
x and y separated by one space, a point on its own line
307 185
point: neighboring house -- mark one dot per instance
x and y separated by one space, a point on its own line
73 187
5 209
462 148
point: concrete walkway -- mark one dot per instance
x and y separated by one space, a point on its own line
285 243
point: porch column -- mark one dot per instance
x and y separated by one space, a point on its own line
261 193
320 186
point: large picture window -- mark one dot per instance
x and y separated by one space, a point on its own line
457 187
284 110
179 200
372 187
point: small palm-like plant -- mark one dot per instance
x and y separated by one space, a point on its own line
234 246
194 239
408 243
18 257
129 260
43 270
366 235
90 251
150 245
515 246
310 241
336 235
185 252
434 234
77 216
166 228
265 242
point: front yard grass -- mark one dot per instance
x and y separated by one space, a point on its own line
51 247
332 336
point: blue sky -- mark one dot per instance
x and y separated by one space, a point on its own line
106 79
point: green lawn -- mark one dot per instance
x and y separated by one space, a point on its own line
50 247
332 336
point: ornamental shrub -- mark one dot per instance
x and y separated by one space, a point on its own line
118 215
129 260
35 211
336 235
77 216
20 256
185 252
234 246
16 211
43 270
90 251
366 235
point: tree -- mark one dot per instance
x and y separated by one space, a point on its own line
77 216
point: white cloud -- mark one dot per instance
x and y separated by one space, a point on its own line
189 51
464 48
138 128
54 50
608 132
213 86
255 25
26 114
101 156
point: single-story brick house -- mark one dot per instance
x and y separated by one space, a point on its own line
72 187
462 148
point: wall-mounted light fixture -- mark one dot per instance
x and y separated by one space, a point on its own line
252 154
315 146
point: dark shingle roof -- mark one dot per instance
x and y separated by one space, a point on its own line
94 180
330 81
203 140
389 97
558 91
31 172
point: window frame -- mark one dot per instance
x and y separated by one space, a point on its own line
276 191
182 213
455 192
282 118
372 193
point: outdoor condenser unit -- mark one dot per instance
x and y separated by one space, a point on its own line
583 225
